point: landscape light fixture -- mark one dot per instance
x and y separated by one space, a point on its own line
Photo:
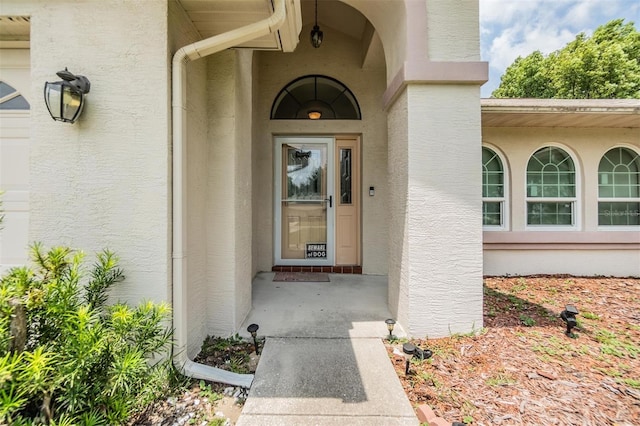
316 34
409 350
390 324
569 317
65 98
253 329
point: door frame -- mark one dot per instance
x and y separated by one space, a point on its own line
279 141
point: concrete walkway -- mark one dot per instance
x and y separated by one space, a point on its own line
323 362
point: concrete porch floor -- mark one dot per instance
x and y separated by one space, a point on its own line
348 306
323 361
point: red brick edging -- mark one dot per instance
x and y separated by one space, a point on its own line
426 415
330 269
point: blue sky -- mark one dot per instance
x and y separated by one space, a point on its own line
512 28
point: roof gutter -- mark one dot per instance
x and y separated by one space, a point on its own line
183 56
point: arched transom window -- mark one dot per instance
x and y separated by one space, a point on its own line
551 188
619 188
11 99
492 189
315 97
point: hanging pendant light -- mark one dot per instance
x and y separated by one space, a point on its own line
316 34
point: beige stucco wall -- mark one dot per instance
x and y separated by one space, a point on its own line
436 244
339 58
104 181
453 30
182 32
228 223
587 146
435 252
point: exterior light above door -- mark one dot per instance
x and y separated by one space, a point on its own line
316 33
65 98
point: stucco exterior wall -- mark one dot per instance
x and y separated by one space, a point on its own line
228 221
529 255
104 181
398 165
181 33
606 262
339 58
441 264
453 30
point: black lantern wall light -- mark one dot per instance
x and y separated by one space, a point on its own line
65 98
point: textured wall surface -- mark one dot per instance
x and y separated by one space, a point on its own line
454 30
398 166
438 275
182 32
229 204
104 181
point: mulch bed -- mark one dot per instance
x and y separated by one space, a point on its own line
522 369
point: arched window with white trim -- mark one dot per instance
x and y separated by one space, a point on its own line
551 188
619 188
493 189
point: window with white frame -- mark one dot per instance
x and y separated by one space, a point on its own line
492 189
619 188
551 188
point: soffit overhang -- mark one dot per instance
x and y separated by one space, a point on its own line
214 17
617 113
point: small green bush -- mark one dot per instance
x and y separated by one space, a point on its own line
66 358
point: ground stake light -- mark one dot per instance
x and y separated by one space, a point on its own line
409 350
65 98
569 317
390 324
253 329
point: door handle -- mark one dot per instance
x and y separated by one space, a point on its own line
330 200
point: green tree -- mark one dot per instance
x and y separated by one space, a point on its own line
603 66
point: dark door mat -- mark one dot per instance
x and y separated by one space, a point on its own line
306 277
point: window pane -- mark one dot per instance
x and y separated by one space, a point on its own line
549 213
5 89
19 102
345 176
492 174
550 174
618 174
492 213
618 213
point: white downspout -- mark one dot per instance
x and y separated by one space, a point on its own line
184 55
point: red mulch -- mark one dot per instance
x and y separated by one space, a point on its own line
522 369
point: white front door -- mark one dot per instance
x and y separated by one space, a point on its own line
304 201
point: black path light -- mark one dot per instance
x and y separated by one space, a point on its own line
569 317
390 324
409 350
65 98
253 329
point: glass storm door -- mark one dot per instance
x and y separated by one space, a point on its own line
304 201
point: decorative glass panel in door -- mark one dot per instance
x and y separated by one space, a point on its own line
305 201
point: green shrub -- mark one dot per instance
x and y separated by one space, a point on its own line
66 358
